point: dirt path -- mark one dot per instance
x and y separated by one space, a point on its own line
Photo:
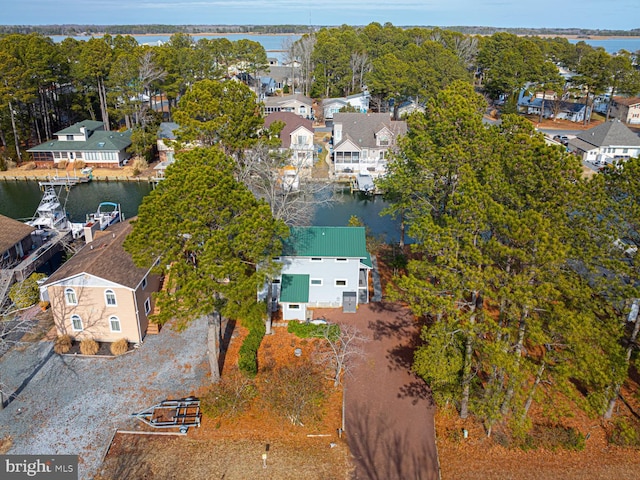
389 413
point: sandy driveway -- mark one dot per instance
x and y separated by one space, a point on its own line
70 405
389 414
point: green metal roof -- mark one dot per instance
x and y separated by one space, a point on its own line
99 141
75 128
294 289
367 261
326 242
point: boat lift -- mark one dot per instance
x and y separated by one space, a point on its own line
182 414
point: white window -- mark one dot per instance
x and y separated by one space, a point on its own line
110 298
316 259
316 282
147 306
294 306
114 324
144 283
76 323
341 283
70 296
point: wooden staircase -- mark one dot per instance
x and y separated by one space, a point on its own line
153 328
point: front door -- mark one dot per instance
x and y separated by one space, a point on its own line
349 302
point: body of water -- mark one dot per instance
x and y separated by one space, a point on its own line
612 45
271 43
19 200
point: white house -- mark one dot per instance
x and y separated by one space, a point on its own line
86 141
297 103
296 136
608 143
358 101
361 142
323 267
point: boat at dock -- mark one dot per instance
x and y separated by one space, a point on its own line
363 183
107 214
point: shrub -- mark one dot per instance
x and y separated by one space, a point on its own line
625 433
230 397
62 344
139 165
62 164
26 293
248 353
79 164
119 347
295 393
30 166
89 347
553 437
310 330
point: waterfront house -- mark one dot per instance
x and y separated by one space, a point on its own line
297 103
296 137
361 142
358 102
626 109
85 141
15 241
322 267
284 76
100 293
608 143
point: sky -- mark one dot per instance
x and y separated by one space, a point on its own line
600 14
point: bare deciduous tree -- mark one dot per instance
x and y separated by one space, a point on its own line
302 51
341 350
12 328
293 196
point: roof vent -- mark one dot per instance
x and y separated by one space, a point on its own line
91 247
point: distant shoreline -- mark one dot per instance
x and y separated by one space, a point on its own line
262 34
586 37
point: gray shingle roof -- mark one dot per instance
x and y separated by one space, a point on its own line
361 128
104 258
277 101
612 133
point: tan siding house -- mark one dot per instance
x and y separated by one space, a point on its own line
101 294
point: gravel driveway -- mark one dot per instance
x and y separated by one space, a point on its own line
71 405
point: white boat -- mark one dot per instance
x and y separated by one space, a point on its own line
50 213
107 214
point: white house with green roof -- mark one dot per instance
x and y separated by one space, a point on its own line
85 141
324 267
